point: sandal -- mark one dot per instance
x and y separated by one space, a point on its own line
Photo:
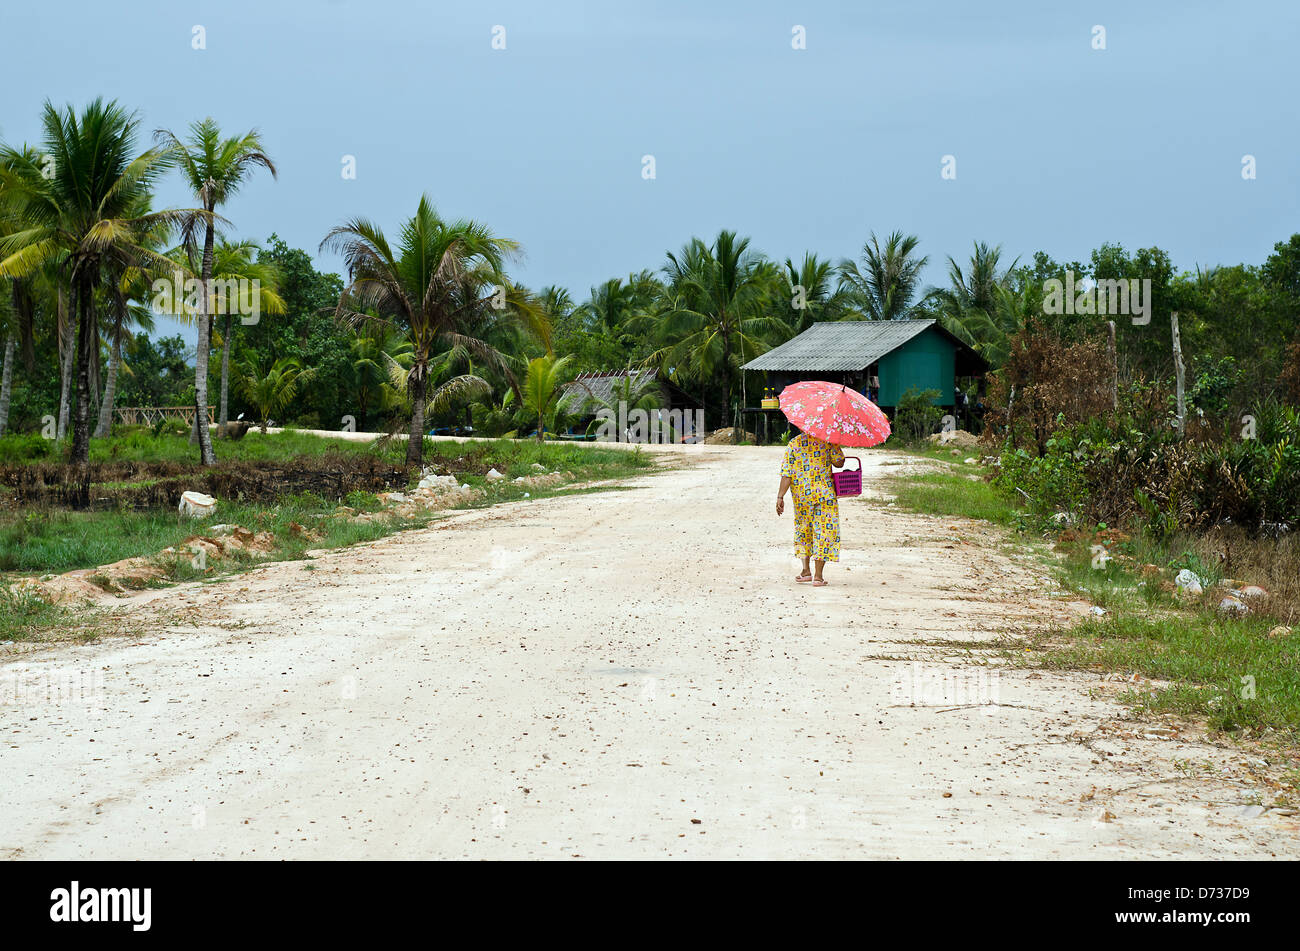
802 578
819 582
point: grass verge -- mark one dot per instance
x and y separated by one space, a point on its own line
1238 674
36 543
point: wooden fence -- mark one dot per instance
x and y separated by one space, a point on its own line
148 415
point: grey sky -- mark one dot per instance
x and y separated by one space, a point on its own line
1058 146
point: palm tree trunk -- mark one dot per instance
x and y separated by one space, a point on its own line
6 382
726 378
206 456
110 388
85 325
66 356
222 417
415 444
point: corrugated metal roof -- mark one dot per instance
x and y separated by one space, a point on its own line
840 345
589 388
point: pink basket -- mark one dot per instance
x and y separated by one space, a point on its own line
848 481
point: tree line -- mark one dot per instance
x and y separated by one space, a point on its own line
427 326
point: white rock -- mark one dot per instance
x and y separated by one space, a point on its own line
1253 591
971 460
493 475
196 504
539 467
1188 579
438 482
1097 610
1232 606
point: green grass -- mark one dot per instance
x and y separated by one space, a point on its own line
138 444
24 617
952 494
57 540
1203 654
53 541
515 457
1227 671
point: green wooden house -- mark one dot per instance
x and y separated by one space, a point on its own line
882 358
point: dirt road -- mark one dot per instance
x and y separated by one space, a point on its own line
611 675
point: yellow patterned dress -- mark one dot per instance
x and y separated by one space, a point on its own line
808 464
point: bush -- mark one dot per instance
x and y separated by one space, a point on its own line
1048 382
171 425
1117 472
24 447
916 415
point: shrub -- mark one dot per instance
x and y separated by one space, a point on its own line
24 447
916 415
1047 383
1114 471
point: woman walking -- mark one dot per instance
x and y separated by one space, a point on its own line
807 471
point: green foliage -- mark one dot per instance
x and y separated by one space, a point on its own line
157 373
1116 472
542 389
953 494
916 415
60 540
890 276
271 389
26 447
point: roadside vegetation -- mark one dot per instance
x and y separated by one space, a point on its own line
40 541
1239 673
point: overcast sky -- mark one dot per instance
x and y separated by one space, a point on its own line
1057 145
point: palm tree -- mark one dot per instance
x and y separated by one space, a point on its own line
889 277
542 389
990 332
977 307
374 351
214 168
459 389
442 285
974 289
82 218
124 310
271 389
124 293
815 293
715 315
8 321
609 306
235 261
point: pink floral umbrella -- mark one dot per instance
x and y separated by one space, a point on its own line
834 413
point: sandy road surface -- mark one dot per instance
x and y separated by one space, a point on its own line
623 674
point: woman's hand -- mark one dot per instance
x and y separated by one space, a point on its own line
780 504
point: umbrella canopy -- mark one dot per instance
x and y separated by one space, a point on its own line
833 413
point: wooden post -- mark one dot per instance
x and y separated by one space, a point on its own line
1114 367
1178 374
